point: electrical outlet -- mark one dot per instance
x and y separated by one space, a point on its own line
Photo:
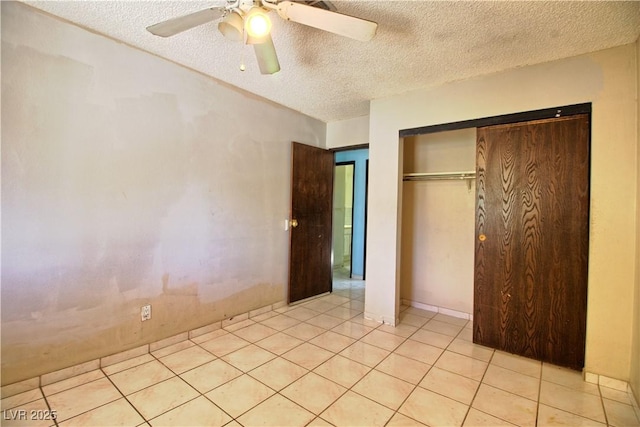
145 312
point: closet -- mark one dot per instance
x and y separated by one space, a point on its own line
505 235
438 209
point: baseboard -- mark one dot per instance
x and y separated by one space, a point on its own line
615 384
436 309
381 319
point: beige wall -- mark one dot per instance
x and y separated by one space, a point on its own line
438 222
128 180
608 79
635 355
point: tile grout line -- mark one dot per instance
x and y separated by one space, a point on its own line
94 408
604 409
177 375
308 371
415 386
278 392
123 395
397 411
576 413
539 393
46 401
445 349
470 406
479 383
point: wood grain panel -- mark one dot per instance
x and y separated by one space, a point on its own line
533 207
311 206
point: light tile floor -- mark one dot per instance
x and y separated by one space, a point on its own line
321 364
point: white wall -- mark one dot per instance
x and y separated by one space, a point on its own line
129 180
608 80
345 133
438 222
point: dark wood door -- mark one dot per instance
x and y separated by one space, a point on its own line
311 206
532 237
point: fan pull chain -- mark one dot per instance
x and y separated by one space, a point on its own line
244 43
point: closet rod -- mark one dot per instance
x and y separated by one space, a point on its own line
438 176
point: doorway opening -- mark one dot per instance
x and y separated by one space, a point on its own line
311 232
343 186
349 214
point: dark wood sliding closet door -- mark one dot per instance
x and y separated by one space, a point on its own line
532 238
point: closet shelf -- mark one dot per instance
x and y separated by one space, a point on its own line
438 176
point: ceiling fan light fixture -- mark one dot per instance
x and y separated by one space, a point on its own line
247 20
232 26
257 24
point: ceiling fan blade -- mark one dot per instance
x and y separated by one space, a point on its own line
337 23
177 25
266 56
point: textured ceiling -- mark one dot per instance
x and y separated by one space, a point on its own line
418 44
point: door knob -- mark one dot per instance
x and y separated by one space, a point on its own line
293 223
482 237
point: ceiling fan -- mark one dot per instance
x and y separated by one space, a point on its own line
247 21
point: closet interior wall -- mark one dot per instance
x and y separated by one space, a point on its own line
438 222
